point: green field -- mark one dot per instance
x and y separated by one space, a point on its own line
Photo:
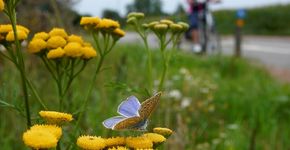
210 102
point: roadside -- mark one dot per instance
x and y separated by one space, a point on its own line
271 51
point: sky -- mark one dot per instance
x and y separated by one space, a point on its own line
96 7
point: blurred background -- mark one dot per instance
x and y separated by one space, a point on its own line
217 101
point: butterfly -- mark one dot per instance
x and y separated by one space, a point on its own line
134 116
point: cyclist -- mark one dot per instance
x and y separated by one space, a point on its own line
197 8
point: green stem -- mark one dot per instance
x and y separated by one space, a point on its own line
165 64
12 17
88 94
149 59
36 94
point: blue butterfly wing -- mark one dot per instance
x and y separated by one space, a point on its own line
111 122
130 107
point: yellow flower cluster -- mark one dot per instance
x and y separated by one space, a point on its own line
7 34
53 117
165 25
146 141
2 5
58 44
104 25
42 136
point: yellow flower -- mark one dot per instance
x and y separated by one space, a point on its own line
73 50
91 142
87 44
152 24
87 21
21 35
154 137
163 131
118 148
53 129
144 149
119 32
39 139
36 46
75 38
5 28
41 35
108 24
2 4
56 41
115 141
58 32
139 142
88 52
20 27
54 117
56 53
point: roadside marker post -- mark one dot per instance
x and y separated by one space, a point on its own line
241 14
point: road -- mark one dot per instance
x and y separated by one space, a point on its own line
273 52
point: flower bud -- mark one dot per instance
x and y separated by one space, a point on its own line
137 15
132 21
176 28
161 28
152 24
166 21
184 25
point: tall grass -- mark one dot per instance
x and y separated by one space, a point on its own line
224 103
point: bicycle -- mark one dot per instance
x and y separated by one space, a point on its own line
208 35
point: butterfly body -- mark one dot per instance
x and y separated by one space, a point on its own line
134 116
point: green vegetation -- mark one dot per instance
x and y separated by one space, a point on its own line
270 20
215 102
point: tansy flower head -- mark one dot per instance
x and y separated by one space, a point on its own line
163 131
5 28
36 46
139 142
56 53
176 28
54 117
88 52
53 129
118 32
115 141
166 21
108 24
184 25
21 35
58 32
132 20
89 21
2 4
118 148
75 38
20 27
41 35
73 49
160 28
137 15
56 41
39 139
154 137
152 24
91 142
